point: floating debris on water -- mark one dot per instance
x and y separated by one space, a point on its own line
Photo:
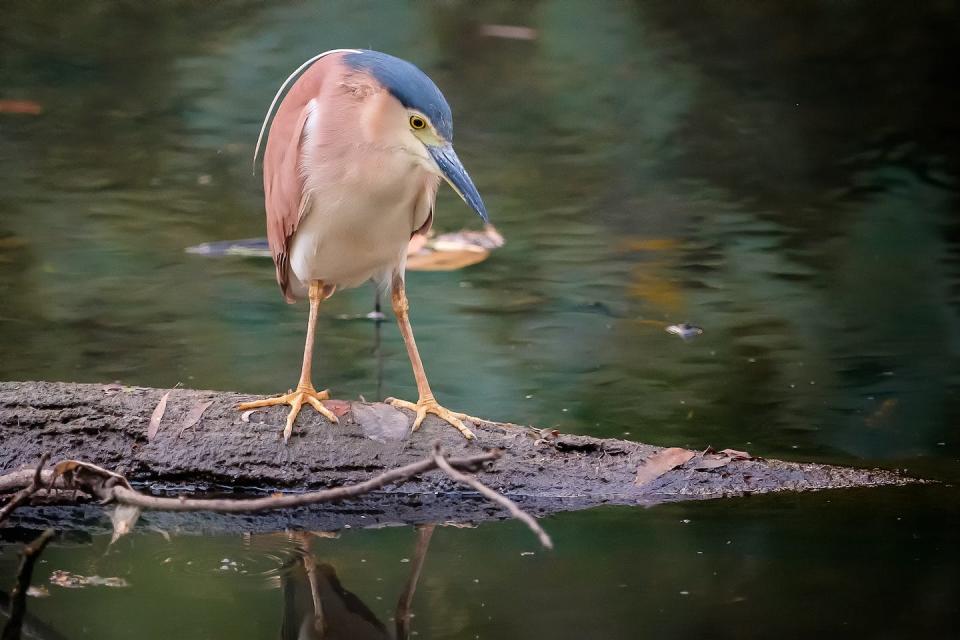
508 31
375 316
443 252
249 247
685 331
69 580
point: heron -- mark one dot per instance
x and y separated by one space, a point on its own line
357 142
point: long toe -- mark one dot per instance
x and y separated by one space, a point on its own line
422 408
296 400
266 402
296 403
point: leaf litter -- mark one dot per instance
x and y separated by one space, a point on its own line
660 463
712 459
157 416
194 416
669 459
339 408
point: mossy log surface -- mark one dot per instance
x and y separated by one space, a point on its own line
226 451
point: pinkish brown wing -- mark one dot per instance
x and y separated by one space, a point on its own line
282 179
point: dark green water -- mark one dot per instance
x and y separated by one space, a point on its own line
784 175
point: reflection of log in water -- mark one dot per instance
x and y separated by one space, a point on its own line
316 606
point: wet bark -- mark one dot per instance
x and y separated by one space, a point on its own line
221 452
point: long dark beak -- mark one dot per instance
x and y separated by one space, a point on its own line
446 158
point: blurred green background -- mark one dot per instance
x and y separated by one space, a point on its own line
784 175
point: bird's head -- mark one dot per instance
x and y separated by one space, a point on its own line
424 125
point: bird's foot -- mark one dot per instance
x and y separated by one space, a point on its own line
296 399
429 405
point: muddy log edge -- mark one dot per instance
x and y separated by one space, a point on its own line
226 450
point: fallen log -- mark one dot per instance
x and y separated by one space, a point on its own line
201 444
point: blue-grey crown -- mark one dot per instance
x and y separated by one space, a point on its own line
407 84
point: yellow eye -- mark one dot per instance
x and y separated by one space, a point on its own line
417 122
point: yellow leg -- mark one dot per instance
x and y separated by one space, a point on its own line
426 404
305 393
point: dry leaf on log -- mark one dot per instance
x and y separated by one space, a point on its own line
711 459
662 462
340 408
157 416
194 416
738 455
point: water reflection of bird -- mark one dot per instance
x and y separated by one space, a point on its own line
316 606
354 155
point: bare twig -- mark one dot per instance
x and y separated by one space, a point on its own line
132 497
18 596
112 487
491 495
36 483
96 481
16 480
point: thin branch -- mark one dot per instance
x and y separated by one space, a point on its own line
22 478
16 480
111 487
18 596
400 474
22 496
491 495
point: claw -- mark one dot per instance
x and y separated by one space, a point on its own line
423 407
295 399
